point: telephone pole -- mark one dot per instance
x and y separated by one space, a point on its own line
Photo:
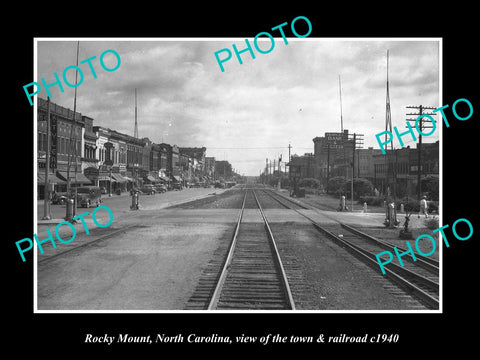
420 127
357 142
266 171
46 197
388 127
135 130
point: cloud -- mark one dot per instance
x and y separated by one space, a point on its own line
184 98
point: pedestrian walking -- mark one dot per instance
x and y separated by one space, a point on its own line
342 203
423 207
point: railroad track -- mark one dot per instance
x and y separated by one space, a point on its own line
252 276
419 278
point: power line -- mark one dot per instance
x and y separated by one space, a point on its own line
420 127
258 148
246 148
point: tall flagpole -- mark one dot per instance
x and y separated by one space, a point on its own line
73 134
341 114
74 124
135 131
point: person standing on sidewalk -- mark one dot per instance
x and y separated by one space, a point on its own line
423 207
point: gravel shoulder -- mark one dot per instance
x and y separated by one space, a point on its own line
333 279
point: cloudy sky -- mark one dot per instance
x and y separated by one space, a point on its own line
251 111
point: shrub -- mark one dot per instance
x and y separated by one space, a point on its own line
431 223
432 206
411 206
336 185
371 200
430 185
284 182
309 183
362 187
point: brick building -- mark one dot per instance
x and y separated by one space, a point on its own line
104 157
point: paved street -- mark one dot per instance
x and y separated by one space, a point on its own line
120 204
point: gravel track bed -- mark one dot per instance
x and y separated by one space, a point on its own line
324 276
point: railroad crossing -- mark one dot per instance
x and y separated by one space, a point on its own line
247 248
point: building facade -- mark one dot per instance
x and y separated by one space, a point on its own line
333 154
398 171
210 167
96 155
66 147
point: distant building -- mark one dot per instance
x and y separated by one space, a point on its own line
364 164
210 167
175 163
302 167
402 165
198 156
96 155
66 148
89 158
333 154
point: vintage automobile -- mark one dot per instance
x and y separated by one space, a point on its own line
160 188
177 186
148 189
219 185
59 198
89 196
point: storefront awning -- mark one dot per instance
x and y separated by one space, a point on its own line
119 178
164 178
128 179
150 178
78 179
51 179
177 178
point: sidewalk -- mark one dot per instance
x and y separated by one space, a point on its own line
147 202
358 217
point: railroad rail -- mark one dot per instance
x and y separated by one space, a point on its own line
419 278
253 276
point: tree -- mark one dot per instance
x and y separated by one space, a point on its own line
337 185
430 185
362 187
310 183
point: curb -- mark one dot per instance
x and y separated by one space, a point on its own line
57 221
178 202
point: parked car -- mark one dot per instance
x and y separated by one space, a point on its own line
89 196
59 198
177 186
160 188
219 185
148 189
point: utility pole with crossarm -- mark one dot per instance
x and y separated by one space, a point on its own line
420 127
